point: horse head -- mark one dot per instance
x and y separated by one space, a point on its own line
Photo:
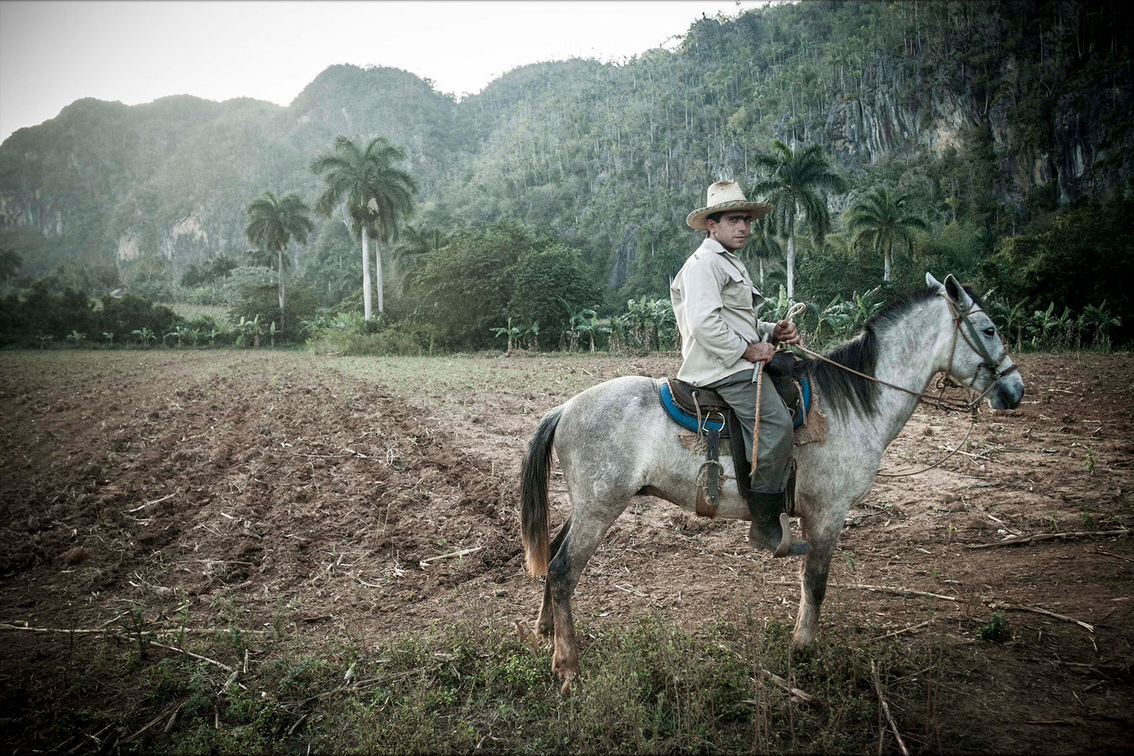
979 356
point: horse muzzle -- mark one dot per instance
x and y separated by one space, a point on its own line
1007 392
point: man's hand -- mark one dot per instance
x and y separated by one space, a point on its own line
759 351
786 333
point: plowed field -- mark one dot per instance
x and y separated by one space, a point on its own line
351 497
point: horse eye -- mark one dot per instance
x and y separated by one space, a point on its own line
990 332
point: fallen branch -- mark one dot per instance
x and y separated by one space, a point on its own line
911 629
450 555
165 713
967 454
1048 537
877 589
81 743
1036 610
106 631
955 599
151 503
631 591
190 654
886 709
898 591
802 695
119 636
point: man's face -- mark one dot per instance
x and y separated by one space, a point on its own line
731 231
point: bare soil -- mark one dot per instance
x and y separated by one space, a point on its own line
343 498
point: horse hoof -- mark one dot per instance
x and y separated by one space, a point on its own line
565 689
803 643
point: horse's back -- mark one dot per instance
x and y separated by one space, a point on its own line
628 394
607 432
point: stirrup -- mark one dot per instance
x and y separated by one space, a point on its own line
787 545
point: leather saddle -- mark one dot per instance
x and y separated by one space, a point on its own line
703 411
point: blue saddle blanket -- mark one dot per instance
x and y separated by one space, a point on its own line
688 420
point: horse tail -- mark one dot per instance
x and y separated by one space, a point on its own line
535 507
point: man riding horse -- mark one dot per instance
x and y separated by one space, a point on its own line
722 340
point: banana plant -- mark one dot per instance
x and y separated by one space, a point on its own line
1009 319
532 336
1098 321
145 336
1046 328
846 316
586 322
509 330
249 330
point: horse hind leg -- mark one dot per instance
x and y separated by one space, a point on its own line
545 625
589 524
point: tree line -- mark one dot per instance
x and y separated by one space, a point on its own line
471 287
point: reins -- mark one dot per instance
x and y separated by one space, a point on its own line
939 401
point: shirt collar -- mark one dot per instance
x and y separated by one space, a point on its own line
712 245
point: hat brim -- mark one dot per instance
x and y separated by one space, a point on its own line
697 218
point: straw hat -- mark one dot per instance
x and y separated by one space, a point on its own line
725 195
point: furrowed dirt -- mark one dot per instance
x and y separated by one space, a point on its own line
361 498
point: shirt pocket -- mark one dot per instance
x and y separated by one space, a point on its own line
737 293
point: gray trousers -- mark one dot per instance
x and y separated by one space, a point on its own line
773 462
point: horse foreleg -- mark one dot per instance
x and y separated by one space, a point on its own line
545 625
813 583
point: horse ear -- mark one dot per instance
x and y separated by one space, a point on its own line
933 283
957 293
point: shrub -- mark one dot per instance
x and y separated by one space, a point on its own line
123 316
261 301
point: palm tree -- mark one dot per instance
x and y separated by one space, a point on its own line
375 193
797 181
221 265
274 223
881 221
10 263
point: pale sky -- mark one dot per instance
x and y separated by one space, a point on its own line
53 53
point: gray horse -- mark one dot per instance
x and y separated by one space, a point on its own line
615 440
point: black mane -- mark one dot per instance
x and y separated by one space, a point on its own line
846 390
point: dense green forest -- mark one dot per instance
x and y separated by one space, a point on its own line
986 139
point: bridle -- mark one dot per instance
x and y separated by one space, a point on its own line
962 324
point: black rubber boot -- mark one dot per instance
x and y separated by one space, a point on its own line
771 527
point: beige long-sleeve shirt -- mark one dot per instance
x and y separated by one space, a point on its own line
716 308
